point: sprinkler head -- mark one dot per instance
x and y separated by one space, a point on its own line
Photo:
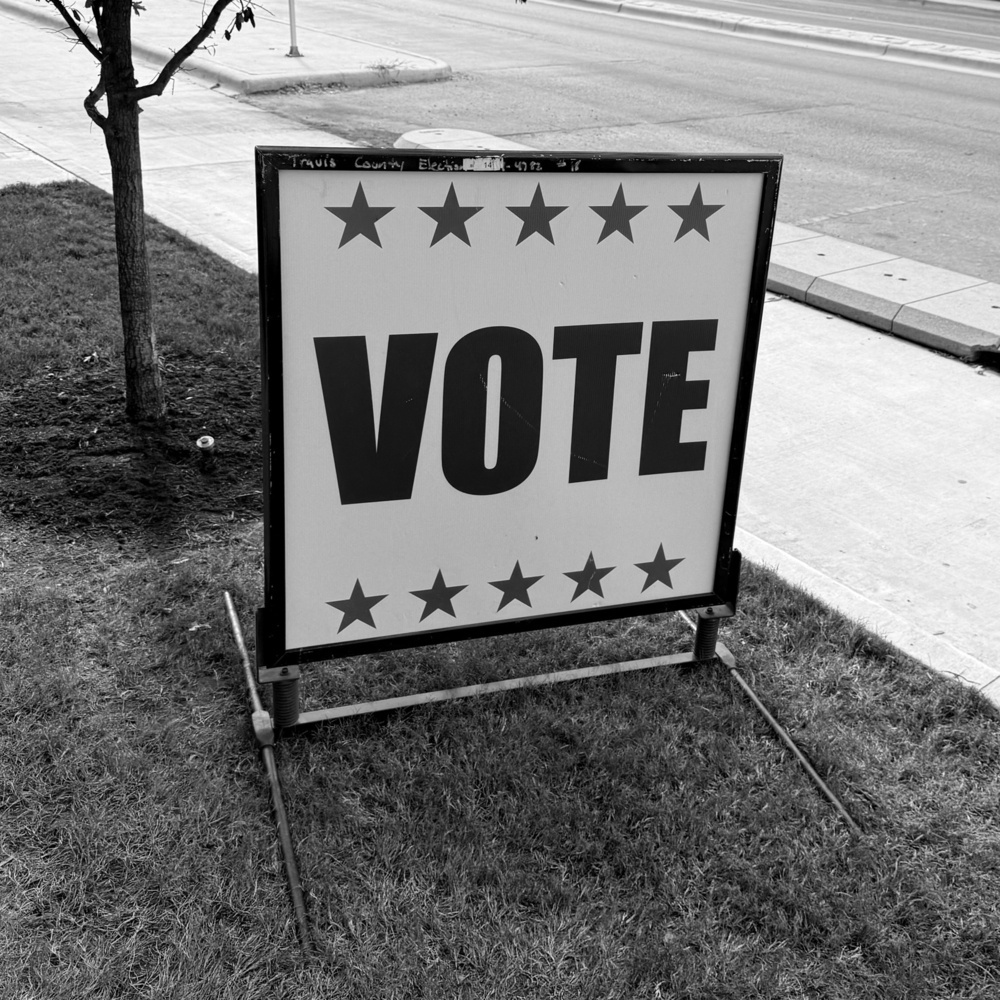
206 450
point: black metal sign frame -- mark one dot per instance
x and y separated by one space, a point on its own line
274 659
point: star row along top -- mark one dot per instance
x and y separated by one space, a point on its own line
361 219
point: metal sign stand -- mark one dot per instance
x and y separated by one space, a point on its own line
706 650
286 692
315 547
263 730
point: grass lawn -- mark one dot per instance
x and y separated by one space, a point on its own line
638 836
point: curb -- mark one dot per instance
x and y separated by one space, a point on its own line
940 309
237 82
932 306
896 47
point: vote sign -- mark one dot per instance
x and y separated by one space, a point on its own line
501 392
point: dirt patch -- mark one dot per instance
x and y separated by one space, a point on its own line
70 463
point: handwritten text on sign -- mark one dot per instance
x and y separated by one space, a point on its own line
505 395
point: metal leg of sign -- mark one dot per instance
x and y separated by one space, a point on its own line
706 635
729 661
286 702
286 693
264 734
492 687
707 647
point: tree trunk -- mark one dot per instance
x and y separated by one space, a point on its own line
144 400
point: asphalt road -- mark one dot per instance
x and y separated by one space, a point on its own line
892 155
936 21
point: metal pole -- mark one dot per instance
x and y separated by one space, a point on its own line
490 687
799 756
264 733
706 635
287 850
234 623
293 40
702 637
286 702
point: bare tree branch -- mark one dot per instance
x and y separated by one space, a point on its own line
90 105
156 88
81 35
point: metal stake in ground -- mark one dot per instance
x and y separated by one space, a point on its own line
264 734
707 648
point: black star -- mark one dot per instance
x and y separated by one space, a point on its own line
438 598
516 588
658 571
357 608
589 578
694 217
360 218
536 216
450 218
617 216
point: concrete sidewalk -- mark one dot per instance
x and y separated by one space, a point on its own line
873 465
197 143
256 58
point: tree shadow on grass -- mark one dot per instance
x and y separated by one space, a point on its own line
70 463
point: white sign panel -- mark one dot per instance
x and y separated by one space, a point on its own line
508 386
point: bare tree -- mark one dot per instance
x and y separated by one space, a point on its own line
117 85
